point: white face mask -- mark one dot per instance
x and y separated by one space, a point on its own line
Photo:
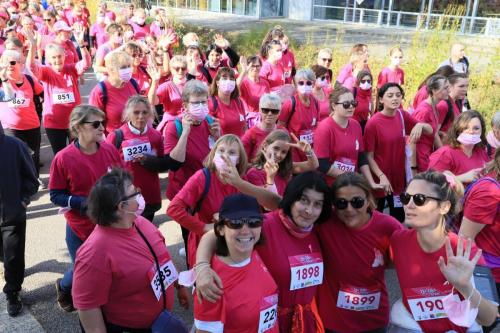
395 61
125 74
100 19
117 39
284 46
140 20
278 55
128 34
365 86
14 17
305 89
321 83
469 139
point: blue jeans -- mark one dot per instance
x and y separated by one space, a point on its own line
73 243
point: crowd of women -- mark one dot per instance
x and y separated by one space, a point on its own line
295 190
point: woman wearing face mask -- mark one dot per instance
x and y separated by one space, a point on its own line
73 172
139 71
111 94
355 246
340 140
321 90
272 69
133 140
387 151
115 35
427 111
116 280
273 167
225 103
214 56
250 302
358 62
60 83
128 32
459 84
363 95
393 72
252 87
98 34
138 22
291 246
435 266
465 154
300 114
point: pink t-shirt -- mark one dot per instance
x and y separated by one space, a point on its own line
346 78
99 32
274 74
454 159
288 61
252 139
324 105
103 49
258 177
117 98
20 113
140 32
389 75
170 96
425 114
232 117
143 80
61 92
420 96
250 93
112 272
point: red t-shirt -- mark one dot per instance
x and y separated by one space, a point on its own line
482 206
442 109
61 92
364 99
388 75
355 258
197 148
258 177
420 96
240 309
341 146
99 32
424 113
253 138
250 93
277 253
388 147
20 113
117 98
231 117
111 273
70 53
188 197
140 32
143 80
170 96
302 122
76 172
419 273
454 159
288 61
274 74
147 181
324 105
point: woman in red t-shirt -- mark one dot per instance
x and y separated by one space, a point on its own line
225 103
427 111
422 94
465 154
321 90
385 144
272 69
393 72
363 95
139 72
451 108
427 256
218 55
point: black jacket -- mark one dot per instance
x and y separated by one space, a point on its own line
18 180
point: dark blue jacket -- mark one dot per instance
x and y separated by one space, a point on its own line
18 180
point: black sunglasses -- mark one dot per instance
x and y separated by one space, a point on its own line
13 62
419 199
348 104
96 123
366 81
47 20
238 224
301 83
356 203
327 59
266 111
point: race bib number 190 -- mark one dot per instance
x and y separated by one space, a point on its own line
427 303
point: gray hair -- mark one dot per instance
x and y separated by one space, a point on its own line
132 102
495 120
270 101
194 87
81 114
11 54
54 47
305 73
178 59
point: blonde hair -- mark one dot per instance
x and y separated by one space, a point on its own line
81 114
394 49
228 139
116 58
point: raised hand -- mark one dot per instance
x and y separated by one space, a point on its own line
229 174
187 121
79 32
303 146
153 72
270 167
220 41
243 64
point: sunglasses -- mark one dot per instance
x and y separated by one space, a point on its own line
267 111
13 62
301 83
47 20
348 104
366 81
238 224
179 68
327 59
356 203
95 124
419 199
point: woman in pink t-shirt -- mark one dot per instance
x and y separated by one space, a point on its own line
138 22
459 84
115 39
465 153
272 69
393 72
139 71
321 90
357 62
363 95
98 34
422 94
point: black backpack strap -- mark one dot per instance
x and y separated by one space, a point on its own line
32 83
354 92
118 138
206 74
291 112
215 104
102 85
197 208
136 86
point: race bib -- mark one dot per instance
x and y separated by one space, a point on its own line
358 299
132 148
306 270
426 303
268 313
307 136
63 97
344 164
19 102
167 273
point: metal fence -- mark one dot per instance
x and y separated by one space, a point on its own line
466 24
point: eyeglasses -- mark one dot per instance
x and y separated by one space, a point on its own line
96 123
419 199
128 197
238 224
348 104
137 55
267 111
356 203
301 83
366 81
179 68
139 112
327 59
198 103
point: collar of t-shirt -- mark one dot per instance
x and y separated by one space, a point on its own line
242 264
135 130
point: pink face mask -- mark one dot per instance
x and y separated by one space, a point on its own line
227 86
460 312
305 89
469 139
220 164
198 111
